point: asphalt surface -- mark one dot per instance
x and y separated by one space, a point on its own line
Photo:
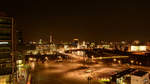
58 73
71 72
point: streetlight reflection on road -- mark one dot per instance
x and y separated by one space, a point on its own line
32 64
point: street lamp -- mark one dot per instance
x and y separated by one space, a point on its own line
119 61
140 63
137 62
114 60
132 61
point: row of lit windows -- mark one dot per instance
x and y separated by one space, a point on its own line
5 55
5 50
6 34
5 31
5 38
5 26
6 20
6 45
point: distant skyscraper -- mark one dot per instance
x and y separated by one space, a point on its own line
52 46
75 42
19 37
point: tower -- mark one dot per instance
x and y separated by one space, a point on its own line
51 38
52 45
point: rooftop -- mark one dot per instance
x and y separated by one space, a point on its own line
139 73
124 72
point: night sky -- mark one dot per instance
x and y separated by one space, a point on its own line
83 19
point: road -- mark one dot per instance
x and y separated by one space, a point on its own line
57 73
69 73
73 72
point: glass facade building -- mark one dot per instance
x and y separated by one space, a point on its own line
6 31
6 48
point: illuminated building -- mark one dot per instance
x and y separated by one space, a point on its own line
75 43
52 46
92 45
19 37
84 45
136 42
120 77
138 48
140 77
148 45
66 47
41 41
19 41
130 76
6 48
106 46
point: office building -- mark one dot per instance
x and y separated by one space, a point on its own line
6 49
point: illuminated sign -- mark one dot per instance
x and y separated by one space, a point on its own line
3 43
138 48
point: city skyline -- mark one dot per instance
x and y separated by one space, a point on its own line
86 20
74 42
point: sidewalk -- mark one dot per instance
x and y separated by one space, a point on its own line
26 77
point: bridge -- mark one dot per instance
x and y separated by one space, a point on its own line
98 53
102 50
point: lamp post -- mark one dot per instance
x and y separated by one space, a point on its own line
89 80
12 51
